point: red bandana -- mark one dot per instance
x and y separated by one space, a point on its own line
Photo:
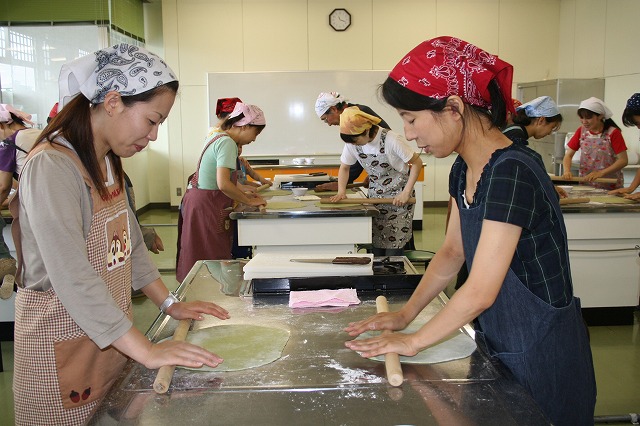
226 105
446 66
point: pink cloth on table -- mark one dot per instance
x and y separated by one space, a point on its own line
314 298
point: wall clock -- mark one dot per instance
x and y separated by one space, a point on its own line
340 19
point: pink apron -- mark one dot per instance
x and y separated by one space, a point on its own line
60 374
204 226
597 154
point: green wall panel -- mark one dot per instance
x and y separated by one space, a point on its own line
126 15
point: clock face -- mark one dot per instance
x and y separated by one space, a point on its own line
340 19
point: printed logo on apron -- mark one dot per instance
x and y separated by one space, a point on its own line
117 238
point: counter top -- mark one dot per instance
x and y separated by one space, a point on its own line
317 380
309 209
597 207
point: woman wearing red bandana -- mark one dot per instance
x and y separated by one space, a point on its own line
505 222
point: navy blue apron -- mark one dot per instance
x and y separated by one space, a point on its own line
546 348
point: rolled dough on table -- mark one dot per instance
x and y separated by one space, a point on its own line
275 192
242 346
456 347
610 199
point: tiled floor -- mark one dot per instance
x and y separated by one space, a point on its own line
616 350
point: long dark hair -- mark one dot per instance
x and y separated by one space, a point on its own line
628 114
400 97
73 123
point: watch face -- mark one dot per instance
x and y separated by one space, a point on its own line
340 19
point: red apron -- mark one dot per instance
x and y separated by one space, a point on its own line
60 374
204 226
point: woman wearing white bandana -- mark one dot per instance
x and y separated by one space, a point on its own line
82 251
204 227
603 150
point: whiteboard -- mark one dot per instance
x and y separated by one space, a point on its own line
288 100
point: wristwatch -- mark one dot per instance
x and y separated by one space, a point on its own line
170 300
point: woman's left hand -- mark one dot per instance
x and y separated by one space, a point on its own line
593 176
194 310
399 343
401 199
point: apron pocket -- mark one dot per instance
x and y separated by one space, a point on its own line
221 221
85 372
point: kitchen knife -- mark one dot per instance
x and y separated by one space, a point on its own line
337 260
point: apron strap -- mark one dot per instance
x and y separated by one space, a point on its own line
194 177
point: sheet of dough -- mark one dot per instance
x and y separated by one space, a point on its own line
274 192
610 199
284 205
457 347
583 188
242 346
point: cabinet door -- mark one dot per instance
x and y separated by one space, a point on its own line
436 177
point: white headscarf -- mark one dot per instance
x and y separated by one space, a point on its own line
126 69
543 106
5 114
326 100
597 106
252 115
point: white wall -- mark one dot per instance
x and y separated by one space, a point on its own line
597 40
542 39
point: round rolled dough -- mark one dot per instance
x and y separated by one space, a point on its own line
242 346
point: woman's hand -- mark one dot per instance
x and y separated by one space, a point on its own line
157 246
194 310
561 192
593 176
399 343
247 189
171 352
634 196
255 199
567 174
627 190
381 321
401 199
339 196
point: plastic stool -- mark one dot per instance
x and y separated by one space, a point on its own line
419 257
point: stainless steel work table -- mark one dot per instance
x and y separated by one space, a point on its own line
317 380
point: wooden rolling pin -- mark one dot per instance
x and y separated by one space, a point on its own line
564 201
326 200
582 179
262 187
391 360
165 373
349 185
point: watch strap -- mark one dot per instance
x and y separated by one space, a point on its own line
170 300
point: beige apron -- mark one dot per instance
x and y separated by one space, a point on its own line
60 374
